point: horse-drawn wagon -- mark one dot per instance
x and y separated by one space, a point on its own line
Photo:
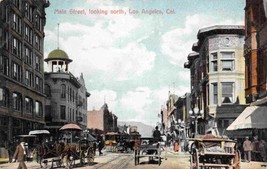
211 153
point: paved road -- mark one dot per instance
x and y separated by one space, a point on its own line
126 161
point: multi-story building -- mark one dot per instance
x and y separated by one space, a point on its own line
171 112
254 118
102 120
255 51
217 71
21 66
66 100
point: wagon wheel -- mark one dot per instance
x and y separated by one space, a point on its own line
194 159
71 161
90 155
237 160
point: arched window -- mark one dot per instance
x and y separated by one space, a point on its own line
63 91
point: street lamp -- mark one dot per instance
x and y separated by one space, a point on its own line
196 114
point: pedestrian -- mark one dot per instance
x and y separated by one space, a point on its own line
100 142
262 148
40 154
20 155
247 147
157 134
255 154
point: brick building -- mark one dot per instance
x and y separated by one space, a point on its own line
102 119
253 118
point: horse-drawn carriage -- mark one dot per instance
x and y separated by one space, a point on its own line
213 152
121 142
147 147
75 146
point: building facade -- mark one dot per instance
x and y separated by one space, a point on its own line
66 100
255 51
253 118
102 120
217 71
22 96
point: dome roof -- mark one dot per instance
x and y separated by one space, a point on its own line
58 54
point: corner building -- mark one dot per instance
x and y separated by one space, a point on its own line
66 95
217 75
21 67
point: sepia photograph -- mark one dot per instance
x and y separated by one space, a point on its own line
133 84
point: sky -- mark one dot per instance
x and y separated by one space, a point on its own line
132 52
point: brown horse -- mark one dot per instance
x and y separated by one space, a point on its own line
73 151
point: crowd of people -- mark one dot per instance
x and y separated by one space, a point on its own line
254 150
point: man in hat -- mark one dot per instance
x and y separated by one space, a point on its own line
157 134
20 155
247 146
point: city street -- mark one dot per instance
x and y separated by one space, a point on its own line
126 161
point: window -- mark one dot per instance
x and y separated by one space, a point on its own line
4 96
38 83
228 61
4 65
37 62
28 34
37 42
16 74
16 23
28 78
5 14
215 93
63 112
63 91
16 48
38 108
214 62
28 11
6 40
28 105
17 100
28 56
227 92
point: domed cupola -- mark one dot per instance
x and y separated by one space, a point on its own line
58 61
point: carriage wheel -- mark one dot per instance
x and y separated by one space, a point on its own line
237 160
194 159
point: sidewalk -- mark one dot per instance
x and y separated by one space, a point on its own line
254 165
30 165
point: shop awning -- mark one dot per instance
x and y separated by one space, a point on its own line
252 117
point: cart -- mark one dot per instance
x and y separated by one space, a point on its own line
147 147
210 153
